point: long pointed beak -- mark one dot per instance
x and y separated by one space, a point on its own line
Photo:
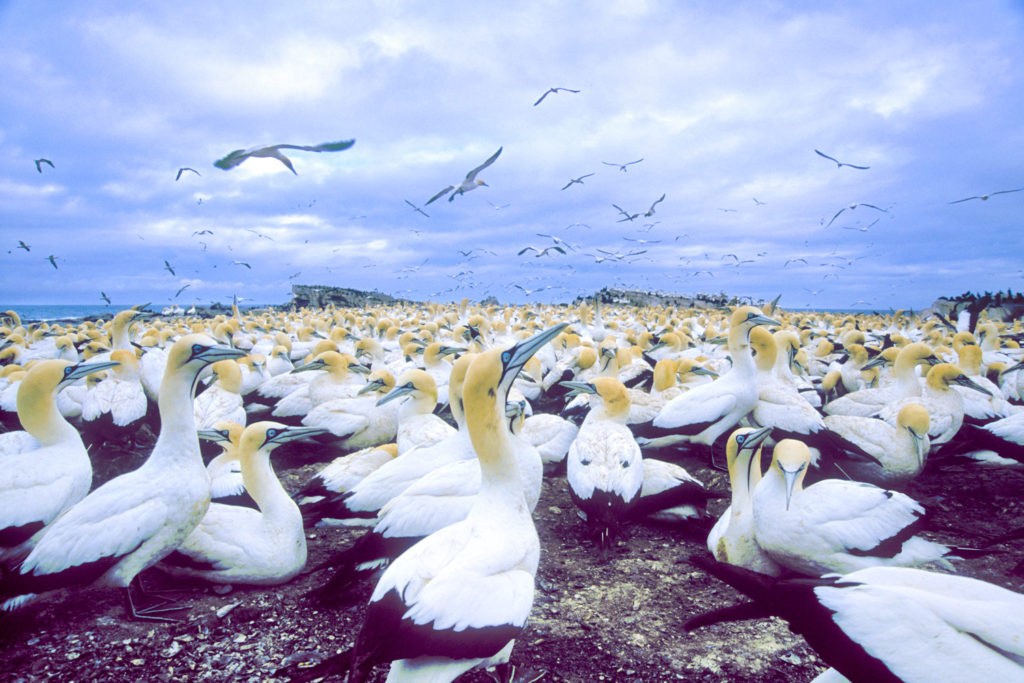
971 384
764 320
361 369
212 435
515 358
372 385
919 447
577 388
397 392
216 353
701 370
791 478
756 438
76 372
294 434
311 365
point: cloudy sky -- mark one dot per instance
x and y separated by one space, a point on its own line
725 103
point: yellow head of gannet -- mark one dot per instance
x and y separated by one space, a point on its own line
417 383
791 458
36 408
915 419
743 459
941 376
613 403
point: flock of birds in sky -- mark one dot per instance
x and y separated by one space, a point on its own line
849 409
690 269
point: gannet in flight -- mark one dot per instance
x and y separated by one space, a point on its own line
573 181
168 268
22 245
840 164
416 208
274 151
182 170
622 167
40 162
470 183
553 90
984 197
851 207
53 261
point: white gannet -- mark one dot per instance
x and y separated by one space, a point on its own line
604 467
872 450
469 183
868 401
237 544
732 538
222 400
889 623
46 468
339 477
225 469
417 424
134 520
459 598
704 413
835 525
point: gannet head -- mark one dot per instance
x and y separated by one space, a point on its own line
379 382
411 382
223 432
613 397
791 458
193 352
743 455
267 435
41 384
943 375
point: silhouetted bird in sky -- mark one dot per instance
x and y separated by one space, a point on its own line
40 162
984 197
622 167
183 169
22 245
553 90
169 268
840 164
470 182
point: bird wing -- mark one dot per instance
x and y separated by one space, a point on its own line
695 408
859 517
322 147
965 199
440 194
472 174
128 403
822 154
1006 191
110 523
568 184
862 168
523 251
836 216
546 93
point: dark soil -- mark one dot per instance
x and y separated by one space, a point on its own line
618 620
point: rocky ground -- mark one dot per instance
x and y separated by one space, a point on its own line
618 620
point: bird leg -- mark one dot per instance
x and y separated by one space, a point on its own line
151 612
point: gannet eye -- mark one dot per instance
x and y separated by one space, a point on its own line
271 433
506 356
68 370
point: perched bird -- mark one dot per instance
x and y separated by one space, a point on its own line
40 162
182 170
236 544
274 152
835 525
553 90
704 413
888 623
470 182
459 598
134 520
573 181
46 468
732 538
984 197
622 167
417 423
872 450
604 467
840 164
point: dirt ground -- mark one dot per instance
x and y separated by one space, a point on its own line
614 621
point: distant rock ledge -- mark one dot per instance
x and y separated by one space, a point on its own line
321 296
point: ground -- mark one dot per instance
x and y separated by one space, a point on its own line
618 620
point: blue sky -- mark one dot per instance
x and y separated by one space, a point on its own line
724 102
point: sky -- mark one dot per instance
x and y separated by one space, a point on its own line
725 103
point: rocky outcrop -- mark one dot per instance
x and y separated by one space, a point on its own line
321 296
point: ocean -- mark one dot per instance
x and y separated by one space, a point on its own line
37 312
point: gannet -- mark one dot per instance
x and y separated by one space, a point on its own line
868 401
222 400
359 421
339 477
469 183
46 468
872 450
550 91
732 538
622 167
835 525
417 424
458 598
706 412
604 466
984 197
134 520
39 164
225 469
236 544
889 623
274 152
840 164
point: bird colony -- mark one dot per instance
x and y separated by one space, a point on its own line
428 447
